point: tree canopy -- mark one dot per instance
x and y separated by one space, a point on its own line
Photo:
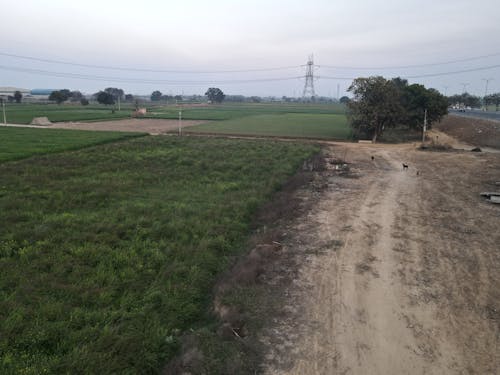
18 96
215 95
379 104
156 96
60 96
104 97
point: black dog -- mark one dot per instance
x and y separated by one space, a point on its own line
373 157
405 166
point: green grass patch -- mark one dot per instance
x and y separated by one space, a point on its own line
18 143
24 113
332 126
107 253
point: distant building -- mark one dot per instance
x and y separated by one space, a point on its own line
5 92
41 94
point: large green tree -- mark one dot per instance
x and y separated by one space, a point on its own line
60 96
376 105
379 103
215 95
156 96
104 97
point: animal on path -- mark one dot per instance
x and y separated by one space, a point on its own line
373 157
405 166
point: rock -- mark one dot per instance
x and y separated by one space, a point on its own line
41 121
476 149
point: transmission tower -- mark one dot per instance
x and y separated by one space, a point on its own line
309 85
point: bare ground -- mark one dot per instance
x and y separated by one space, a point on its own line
151 126
473 131
390 272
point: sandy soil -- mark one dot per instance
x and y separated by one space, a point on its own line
151 126
397 273
473 131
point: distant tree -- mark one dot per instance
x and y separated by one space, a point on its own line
493 99
215 95
255 99
344 100
465 99
18 96
84 101
76 96
104 97
60 96
178 98
376 106
10 99
115 92
167 98
156 96
129 98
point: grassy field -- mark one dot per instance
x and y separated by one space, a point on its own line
107 253
17 143
289 124
24 113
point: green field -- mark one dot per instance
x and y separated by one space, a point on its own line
24 113
17 143
109 252
289 125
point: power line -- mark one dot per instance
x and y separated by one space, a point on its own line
142 80
410 66
146 69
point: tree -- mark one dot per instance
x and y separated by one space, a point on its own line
18 96
104 97
76 96
156 96
114 92
344 100
178 98
376 106
60 96
416 99
493 99
84 101
129 98
215 95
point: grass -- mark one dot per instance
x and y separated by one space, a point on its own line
109 252
18 143
290 124
24 113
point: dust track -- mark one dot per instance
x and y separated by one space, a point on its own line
399 272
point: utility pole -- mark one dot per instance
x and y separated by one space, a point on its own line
338 91
3 108
445 90
309 85
425 126
180 121
464 85
486 90
119 108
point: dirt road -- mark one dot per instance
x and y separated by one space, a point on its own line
398 273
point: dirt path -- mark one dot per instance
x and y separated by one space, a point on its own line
398 272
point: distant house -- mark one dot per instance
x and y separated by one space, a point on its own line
5 92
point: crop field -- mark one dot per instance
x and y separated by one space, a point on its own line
108 252
288 125
24 113
17 143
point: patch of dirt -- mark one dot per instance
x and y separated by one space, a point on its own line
391 272
476 132
151 126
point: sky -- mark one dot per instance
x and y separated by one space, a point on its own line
181 47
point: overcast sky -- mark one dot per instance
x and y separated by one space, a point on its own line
238 35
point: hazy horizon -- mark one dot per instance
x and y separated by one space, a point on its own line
227 35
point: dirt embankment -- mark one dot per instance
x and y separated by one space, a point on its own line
396 272
476 132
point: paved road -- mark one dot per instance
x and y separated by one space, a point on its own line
487 115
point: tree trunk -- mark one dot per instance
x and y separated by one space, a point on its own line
374 138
